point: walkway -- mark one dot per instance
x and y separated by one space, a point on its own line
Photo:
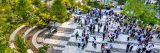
63 42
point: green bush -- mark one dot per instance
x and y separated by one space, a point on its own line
101 6
121 2
43 49
125 21
21 45
41 24
84 8
59 11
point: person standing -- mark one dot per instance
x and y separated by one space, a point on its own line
139 49
116 33
79 42
104 29
127 47
93 29
94 42
86 39
144 48
77 35
102 47
83 43
158 36
98 28
103 36
149 48
131 47
112 36
109 48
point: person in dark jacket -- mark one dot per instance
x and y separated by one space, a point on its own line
128 45
103 36
77 35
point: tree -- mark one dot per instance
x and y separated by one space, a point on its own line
21 45
84 8
5 8
43 49
121 2
37 3
70 3
158 7
59 11
4 48
22 7
142 11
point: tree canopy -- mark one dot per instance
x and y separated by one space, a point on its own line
142 11
59 11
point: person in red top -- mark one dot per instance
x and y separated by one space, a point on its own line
102 47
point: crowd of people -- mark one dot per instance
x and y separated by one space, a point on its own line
110 27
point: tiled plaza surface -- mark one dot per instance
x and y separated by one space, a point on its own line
64 41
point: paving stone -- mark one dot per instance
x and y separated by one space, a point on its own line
55 45
61 38
65 29
56 51
89 51
72 43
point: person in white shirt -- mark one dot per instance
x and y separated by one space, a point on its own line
139 49
79 42
149 48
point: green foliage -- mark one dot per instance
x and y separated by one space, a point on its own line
21 45
14 13
121 2
101 6
43 49
158 6
5 9
84 8
41 24
22 7
125 21
144 12
5 30
37 3
59 11
71 3
93 4
4 48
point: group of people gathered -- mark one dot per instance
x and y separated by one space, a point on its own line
110 27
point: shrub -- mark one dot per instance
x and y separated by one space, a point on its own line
84 8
